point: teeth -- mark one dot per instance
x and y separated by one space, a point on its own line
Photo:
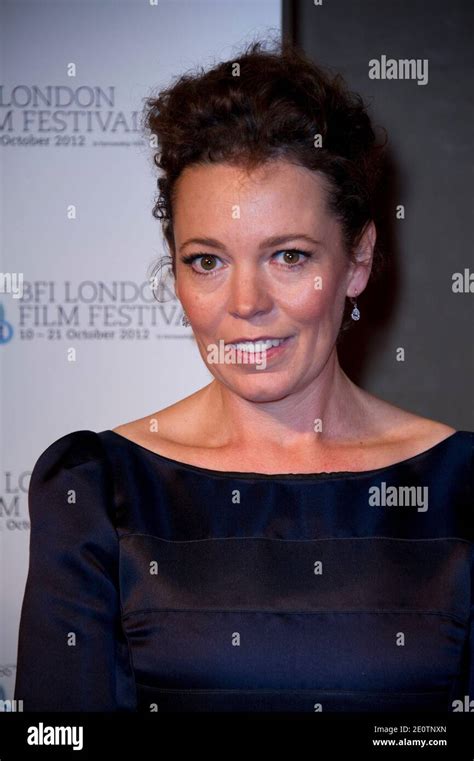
258 346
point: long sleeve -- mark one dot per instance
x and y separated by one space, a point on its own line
72 651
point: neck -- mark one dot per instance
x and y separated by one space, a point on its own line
331 407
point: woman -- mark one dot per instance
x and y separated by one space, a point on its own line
280 540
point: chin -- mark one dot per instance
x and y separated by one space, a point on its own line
255 389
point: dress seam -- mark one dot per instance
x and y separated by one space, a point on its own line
318 690
323 611
281 539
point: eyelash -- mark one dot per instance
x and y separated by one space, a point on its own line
190 258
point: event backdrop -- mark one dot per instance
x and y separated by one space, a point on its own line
77 192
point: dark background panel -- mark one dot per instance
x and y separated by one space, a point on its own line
429 169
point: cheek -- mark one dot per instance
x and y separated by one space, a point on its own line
314 304
203 311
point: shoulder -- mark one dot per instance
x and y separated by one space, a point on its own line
71 494
69 451
74 542
394 425
174 429
387 433
422 433
406 434
72 470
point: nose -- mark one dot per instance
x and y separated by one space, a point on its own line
249 294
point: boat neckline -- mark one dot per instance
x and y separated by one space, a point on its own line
300 476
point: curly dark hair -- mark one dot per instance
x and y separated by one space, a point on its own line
268 104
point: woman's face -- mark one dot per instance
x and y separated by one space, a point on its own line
242 285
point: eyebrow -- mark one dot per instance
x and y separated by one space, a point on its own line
276 240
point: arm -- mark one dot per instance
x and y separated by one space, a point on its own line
72 651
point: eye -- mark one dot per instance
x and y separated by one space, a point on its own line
295 255
207 262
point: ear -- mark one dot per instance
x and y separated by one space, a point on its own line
362 261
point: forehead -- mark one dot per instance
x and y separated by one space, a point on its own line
276 192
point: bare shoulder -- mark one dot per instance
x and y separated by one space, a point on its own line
187 430
408 432
168 430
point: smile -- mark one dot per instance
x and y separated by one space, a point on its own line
259 346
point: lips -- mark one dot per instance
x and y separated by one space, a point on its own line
246 339
261 344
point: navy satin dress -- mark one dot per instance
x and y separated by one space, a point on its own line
156 585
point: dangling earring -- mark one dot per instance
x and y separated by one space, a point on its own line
355 314
184 320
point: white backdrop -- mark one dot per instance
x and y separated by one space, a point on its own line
71 145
